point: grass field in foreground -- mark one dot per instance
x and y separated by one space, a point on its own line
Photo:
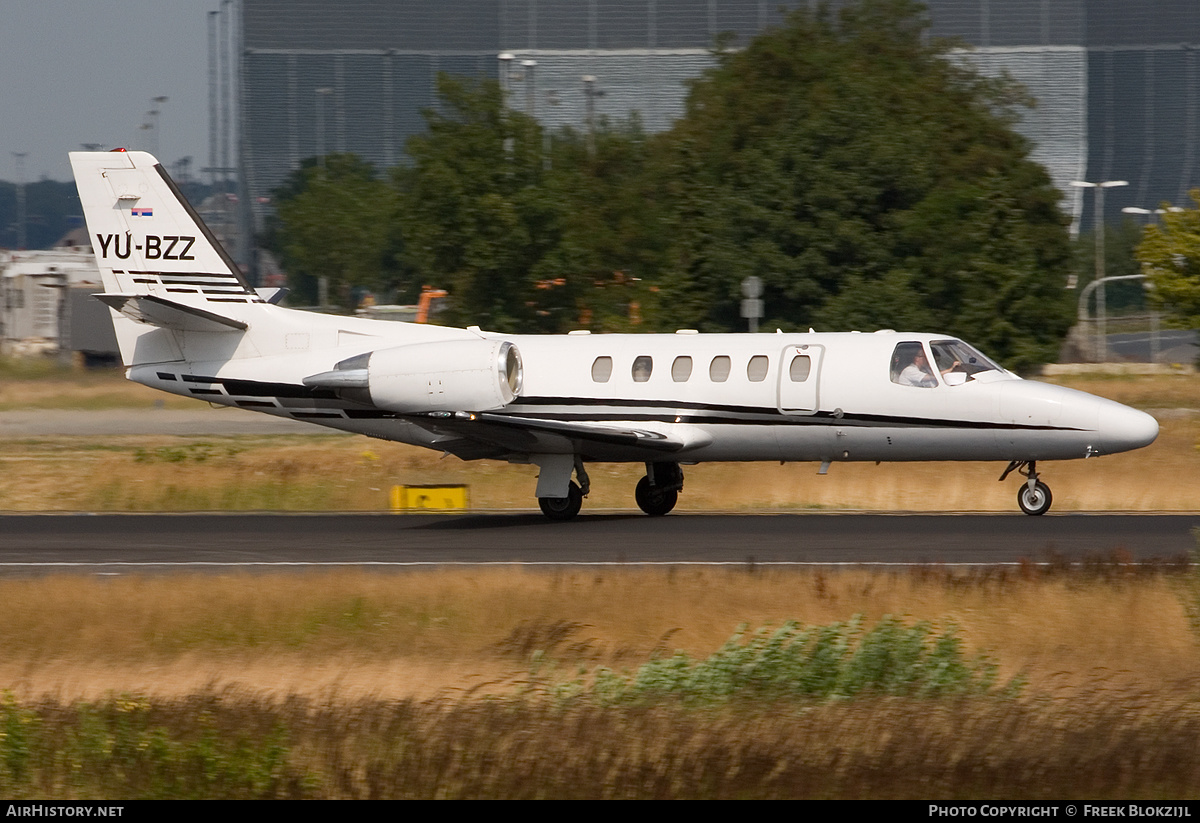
450 632
439 684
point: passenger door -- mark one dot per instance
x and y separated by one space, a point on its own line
800 378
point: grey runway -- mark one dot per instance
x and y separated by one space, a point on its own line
157 542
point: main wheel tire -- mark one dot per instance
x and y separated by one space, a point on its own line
654 502
562 508
1036 500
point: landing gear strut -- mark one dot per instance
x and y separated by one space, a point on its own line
565 508
658 492
1034 496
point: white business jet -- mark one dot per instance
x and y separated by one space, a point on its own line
188 324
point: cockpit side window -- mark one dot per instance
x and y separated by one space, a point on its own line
910 366
956 357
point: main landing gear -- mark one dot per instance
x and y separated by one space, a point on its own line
1034 496
658 492
565 508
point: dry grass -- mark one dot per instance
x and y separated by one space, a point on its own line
1164 391
356 685
437 633
83 390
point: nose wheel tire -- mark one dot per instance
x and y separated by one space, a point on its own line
562 508
1035 500
654 501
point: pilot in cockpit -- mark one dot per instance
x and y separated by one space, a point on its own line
917 372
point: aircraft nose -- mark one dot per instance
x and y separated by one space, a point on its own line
1123 428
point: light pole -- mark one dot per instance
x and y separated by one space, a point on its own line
529 66
321 93
156 112
590 93
505 58
20 158
1101 308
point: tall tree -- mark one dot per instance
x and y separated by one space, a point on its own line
1170 256
474 215
869 181
337 220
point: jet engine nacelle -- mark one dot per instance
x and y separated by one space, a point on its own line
453 375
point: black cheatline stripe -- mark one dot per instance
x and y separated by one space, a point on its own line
630 403
823 419
256 404
192 281
206 391
255 388
311 415
849 419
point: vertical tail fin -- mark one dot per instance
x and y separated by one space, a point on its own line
165 275
147 238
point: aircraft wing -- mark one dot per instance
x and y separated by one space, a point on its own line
524 434
594 432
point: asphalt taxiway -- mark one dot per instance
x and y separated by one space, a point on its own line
128 543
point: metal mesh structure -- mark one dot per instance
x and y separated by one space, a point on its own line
1117 83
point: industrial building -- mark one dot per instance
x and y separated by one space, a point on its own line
1117 83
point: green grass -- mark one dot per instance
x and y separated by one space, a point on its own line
839 661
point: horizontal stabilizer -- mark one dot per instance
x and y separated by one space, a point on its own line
168 314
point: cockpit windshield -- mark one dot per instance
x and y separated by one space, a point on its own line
955 356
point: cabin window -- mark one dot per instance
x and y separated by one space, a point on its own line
718 369
910 366
681 369
642 367
601 369
800 368
756 369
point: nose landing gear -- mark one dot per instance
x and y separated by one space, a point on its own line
1034 496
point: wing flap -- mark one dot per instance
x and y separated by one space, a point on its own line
523 435
592 432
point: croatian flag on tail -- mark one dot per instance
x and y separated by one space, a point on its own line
142 211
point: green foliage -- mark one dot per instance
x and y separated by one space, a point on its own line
868 179
527 239
338 221
126 748
1170 255
475 219
869 182
793 662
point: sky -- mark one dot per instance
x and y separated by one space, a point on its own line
85 71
